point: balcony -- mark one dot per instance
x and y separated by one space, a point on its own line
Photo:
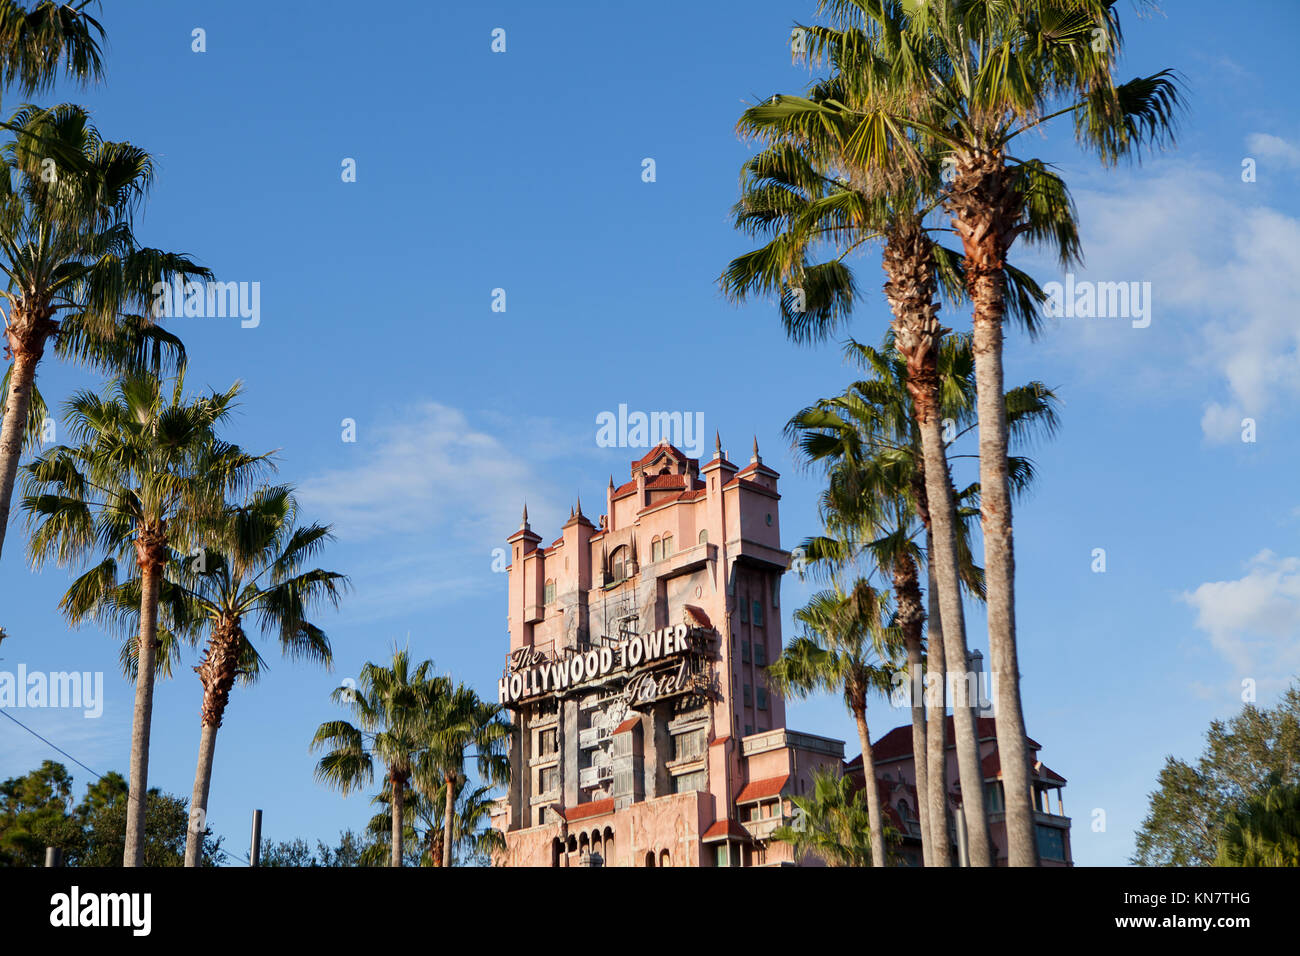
595 776
592 737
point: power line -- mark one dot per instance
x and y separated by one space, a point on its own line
99 776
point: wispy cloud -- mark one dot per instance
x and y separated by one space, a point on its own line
447 488
427 469
1224 270
1253 621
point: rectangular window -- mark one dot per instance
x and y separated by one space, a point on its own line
549 597
744 652
760 653
749 729
749 696
762 698
1051 843
547 742
548 780
993 797
688 745
744 611
758 613
688 782
721 858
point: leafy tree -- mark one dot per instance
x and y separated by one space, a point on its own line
1266 832
36 811
297 852
1186 814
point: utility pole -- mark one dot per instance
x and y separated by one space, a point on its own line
253 850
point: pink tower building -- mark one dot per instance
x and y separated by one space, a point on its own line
646 732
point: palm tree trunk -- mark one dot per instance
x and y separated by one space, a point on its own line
910 616
953 621
910 290
985 206
447 814
217 673
936 727
874 813
151 552
17 407
398 798
1000 566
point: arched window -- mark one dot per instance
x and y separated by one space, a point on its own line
704 536
549 593
650 858
656 549
665 859
667 545
618 563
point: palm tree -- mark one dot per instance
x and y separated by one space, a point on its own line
804 192
833 825
1266 831
841 649
391 705
472 838
39 43
875 505
145 474
255 565
458 722
76 272
969 79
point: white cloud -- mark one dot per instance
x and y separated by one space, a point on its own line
1253 621
1269 147
1225 279
450 491
426 470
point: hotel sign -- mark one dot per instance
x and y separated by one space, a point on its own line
532 675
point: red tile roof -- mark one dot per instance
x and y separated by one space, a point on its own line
897 744
654 452
627 725
593 809
725 828
720 741
991 768
761 789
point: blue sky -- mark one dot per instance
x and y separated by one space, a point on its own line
522 171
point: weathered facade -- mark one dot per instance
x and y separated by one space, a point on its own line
646 732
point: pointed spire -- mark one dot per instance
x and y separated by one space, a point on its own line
578 508
754 458
611 482
523 525
717 444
